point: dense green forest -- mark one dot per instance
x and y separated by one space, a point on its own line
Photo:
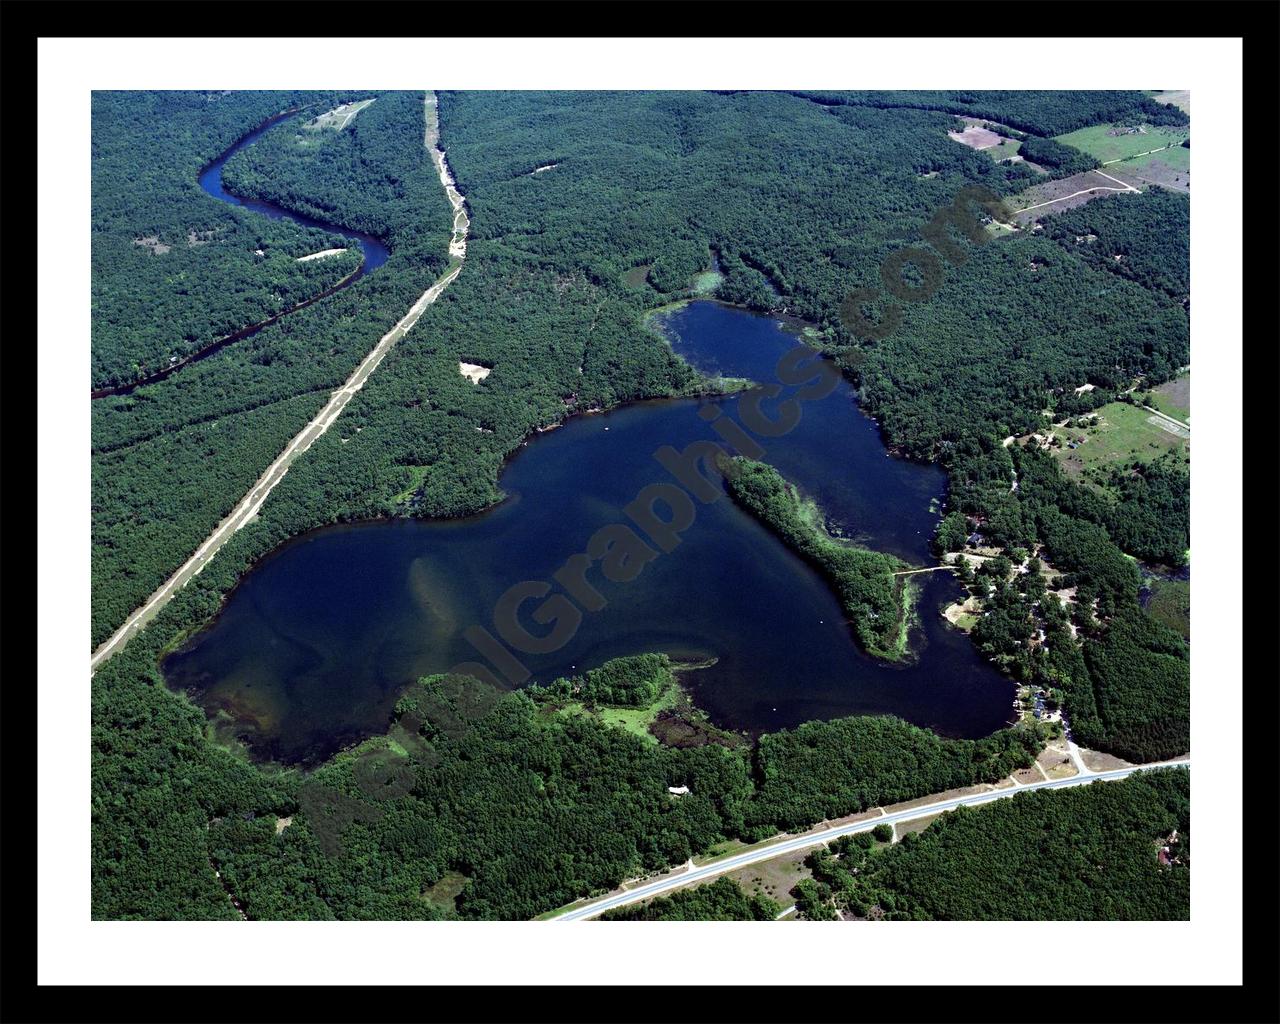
1043 112
829 769
633 681
531 805
876 602
1151 234
173 269
534 807
721 900
1082 854
1021 323
1051 153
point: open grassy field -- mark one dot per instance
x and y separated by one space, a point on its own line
1124 432
1097 140
634 720
1174 397
638 720
1055 760
774 878
920 824
1064 194
998 229
1177 159
1180 98
1170 168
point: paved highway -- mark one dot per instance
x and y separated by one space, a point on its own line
583 911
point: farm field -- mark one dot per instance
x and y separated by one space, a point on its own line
1170 168
1177 159
1180 98
1174 398
1097 140
1124 432
1064 194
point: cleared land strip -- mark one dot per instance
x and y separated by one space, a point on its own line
1097 188
461 222
769 850
248 506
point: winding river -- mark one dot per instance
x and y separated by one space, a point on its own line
312 648
373 251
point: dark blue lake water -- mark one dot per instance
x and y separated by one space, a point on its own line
314 645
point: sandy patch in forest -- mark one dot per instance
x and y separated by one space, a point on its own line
962 614
153 243
976 137
474 372
320 255
339 117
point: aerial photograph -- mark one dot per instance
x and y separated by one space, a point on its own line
640 505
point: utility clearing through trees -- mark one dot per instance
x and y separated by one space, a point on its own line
248 506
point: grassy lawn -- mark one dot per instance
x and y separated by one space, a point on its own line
638 720
634 720
1005 149
1096 141
1124 433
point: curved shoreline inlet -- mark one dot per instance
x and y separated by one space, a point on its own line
374 254
313 647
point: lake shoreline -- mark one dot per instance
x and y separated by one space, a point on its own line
662 613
